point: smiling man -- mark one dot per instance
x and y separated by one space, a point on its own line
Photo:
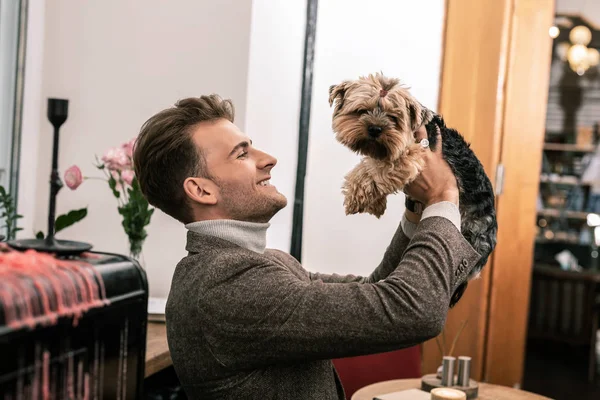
247 322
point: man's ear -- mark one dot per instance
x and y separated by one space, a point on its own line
337 93
200 190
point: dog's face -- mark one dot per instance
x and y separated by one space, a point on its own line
376 116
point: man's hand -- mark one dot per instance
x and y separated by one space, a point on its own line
436 182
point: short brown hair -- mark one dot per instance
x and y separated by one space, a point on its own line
165 154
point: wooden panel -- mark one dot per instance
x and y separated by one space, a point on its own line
158 356
522 141
471 100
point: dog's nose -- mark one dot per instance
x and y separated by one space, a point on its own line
374 131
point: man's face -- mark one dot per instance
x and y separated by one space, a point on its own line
240 172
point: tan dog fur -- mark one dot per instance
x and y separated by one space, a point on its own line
392 160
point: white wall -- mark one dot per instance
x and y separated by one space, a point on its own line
402 38
273 98
119 62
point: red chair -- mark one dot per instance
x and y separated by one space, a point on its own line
357 372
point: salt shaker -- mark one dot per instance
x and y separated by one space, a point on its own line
464 371
448 371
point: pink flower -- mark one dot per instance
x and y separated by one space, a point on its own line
128 147
73 177
115 175
128 176
116 159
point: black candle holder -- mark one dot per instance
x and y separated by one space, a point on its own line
58 110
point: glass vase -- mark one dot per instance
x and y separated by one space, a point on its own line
139 257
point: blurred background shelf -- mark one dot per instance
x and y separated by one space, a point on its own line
566 180
551 212
569 147
571 241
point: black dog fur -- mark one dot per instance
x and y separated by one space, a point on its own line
477 199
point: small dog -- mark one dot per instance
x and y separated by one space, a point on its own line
376 117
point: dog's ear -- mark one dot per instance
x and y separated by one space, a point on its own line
337 92
419 114
414 113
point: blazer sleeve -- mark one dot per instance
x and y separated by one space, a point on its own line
265 314
391 259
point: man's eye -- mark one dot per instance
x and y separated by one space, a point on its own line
242 155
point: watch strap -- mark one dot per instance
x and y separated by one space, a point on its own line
414 206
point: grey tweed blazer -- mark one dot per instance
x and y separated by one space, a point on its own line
244 325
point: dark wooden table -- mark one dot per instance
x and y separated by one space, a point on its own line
157 350
486 391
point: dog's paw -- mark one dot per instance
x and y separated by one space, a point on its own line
351 207
364 198
355 201
357 197
377 206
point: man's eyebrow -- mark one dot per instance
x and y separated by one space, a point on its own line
242 145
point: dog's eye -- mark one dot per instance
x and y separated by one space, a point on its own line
394 119
361 111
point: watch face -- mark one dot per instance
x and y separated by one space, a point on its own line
418 208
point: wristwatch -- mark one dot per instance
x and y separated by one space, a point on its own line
413 206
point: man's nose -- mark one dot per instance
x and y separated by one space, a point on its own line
265 160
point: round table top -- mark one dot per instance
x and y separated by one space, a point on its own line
486 391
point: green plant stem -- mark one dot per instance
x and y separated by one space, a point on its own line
9 213
124 189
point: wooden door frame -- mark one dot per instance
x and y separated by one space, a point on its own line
491 78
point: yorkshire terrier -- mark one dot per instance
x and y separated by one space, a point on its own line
376 116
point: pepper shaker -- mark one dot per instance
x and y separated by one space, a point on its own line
448 371
464 371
